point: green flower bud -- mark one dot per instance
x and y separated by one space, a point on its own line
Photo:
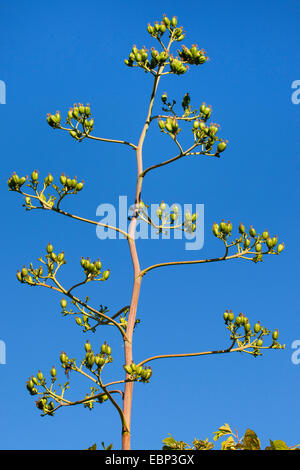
275 335
53 372
40 375
34 380
53 256
259 343
161 124
34 176
99 360
127 369
252 231
150 29
63 358
79 186
223 226
88 347
30 385
90 124
49 180
60 257
174 22
138 57
162 28
173 217
13 181
162 206
242 228
215 229
106 274
63 179
159 213
225 316
57 117
221 147
164 98
230 316
90 360
49 248
169 124
265 235
24 272
280 247
257 328
166 21
98 265
75 112
63 303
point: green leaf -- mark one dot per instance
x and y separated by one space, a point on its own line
108 447
93 447
222 431
171 443
278 445
251 441
202 445
229 444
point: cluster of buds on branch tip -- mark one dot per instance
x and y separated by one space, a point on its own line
38 276
94 364
205 135
97 361
249 340
78 114
168 218
159 29
177 65
250 242
67 187
93 269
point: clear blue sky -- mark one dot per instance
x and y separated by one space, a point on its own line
56 53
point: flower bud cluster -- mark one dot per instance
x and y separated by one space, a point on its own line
138 373
241 331
250 241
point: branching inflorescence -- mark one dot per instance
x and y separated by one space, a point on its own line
48 195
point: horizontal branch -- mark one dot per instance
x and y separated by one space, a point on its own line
93 222
204 353
177 263
102 139
113 141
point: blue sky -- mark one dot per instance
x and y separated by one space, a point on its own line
55 54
